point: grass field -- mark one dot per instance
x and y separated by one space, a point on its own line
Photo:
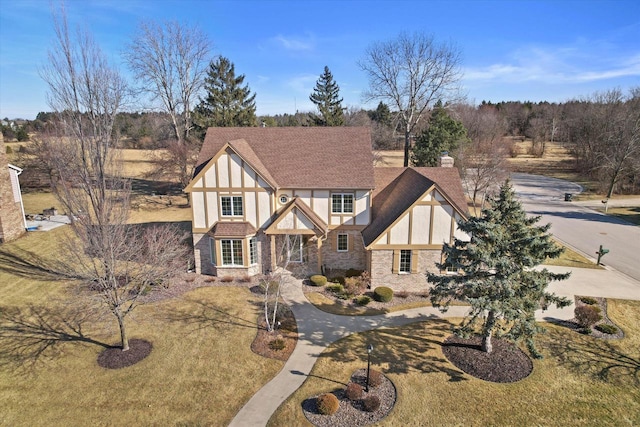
200 372
581 381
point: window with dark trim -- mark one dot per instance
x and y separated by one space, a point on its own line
343 242
341 203
231 205
405 261
231 252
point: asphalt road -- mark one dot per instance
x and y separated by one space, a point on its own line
578 226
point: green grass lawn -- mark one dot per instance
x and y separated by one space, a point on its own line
581 380
200 372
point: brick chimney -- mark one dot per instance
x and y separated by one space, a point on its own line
445 161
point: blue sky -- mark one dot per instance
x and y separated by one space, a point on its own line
511 50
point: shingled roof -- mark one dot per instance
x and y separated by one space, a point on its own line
398 188
299 157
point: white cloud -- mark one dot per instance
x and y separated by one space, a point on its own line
294 44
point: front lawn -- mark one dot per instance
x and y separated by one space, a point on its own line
200 372
581 380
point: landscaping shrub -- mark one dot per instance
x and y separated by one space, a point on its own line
363 300
383 294
375 378
190 279
587 315
335 288
338 279
589 300
318 280
226 279
244 279
354 286
327 404
9 150
209 279
371 403
353 392
607 329
352 272
277 344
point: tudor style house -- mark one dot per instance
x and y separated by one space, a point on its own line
310 198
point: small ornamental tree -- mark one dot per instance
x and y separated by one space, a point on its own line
497 276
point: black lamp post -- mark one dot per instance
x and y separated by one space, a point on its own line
369 350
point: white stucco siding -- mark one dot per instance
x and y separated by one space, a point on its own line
210 178
223 171
236 171
197 206
212 208
457 233
321 204
264 209
249 177
251 212
437 196
304 195
441 224
421 218
427 197
362 207
400 231
197 183
286 223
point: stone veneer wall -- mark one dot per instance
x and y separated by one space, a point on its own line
11 220
381 274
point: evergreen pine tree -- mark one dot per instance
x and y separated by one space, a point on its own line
496 272
381 114
227 102
443 134
326 97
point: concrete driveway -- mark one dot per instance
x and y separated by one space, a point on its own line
580 227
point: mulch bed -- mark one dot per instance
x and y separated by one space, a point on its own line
602 303
399 298
351 414
505 364
115 358
287 332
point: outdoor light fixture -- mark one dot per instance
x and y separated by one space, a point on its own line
369 350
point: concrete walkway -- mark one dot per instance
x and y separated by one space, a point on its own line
317 330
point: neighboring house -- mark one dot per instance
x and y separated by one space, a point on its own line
311 198
12 221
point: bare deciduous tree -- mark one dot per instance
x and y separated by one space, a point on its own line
116 262
170 60
411 73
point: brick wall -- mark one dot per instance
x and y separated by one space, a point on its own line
11 220
382 275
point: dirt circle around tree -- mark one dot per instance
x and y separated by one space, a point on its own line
505 364
114 358
352 413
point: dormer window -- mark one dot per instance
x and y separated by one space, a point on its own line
341 203
231 205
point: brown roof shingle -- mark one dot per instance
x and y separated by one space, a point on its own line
232 229
398 188
300 157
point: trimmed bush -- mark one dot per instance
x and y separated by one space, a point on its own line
335 288
338 279
353 392
363 300
589 300
402 294
352 272
226 279
607 329
383 294
375 378
277 344
244 279
318 280
209 279
327 404
354 286
9 150
371 403
587 315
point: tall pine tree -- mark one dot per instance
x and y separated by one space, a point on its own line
496 272
327 98
227 102
443 134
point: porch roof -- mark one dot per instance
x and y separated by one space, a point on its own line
231 229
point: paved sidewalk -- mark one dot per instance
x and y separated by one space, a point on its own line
317 330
